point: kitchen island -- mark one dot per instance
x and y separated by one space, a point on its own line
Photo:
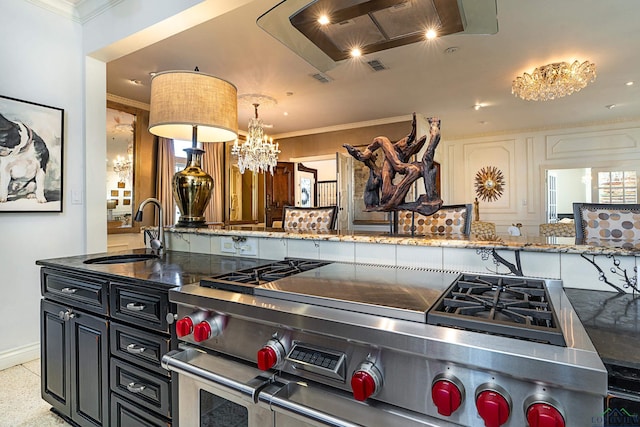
128 308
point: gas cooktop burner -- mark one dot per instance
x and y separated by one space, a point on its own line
244 281
516 307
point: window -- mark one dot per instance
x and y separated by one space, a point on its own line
552 201
617 187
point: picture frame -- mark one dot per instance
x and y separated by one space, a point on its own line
115 193
31 156
127 193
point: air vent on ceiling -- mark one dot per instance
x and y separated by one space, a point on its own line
376 65
321 77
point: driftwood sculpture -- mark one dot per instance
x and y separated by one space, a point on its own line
381 193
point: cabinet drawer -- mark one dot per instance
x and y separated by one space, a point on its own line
139 347
126 414
151 391
78 291
141 307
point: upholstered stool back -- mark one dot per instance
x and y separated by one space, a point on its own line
558 229
449 220
607 221
483 228
309 219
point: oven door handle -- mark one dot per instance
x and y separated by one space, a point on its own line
279 404
178 361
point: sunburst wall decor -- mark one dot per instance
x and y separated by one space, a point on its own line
489 183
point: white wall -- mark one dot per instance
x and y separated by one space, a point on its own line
326 169
50 59
524 158
41 62
574 188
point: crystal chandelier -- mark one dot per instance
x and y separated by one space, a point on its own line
123 168
554 80
258 153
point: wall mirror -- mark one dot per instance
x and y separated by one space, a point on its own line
130 162
120 177
130 166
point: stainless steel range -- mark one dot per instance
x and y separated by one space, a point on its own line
349 344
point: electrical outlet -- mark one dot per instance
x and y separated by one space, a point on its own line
227 245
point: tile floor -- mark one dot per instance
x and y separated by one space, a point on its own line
20 401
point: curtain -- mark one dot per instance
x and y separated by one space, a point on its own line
166 166
212 163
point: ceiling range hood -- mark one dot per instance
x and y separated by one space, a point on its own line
374 25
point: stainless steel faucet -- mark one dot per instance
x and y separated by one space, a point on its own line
157 241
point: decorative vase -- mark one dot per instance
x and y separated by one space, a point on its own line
192 190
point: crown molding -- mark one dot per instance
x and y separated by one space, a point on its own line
127 101
79 11
345 126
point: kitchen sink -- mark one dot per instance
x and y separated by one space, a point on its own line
121 259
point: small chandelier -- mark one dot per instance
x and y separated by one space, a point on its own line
123 168
554 81
258 153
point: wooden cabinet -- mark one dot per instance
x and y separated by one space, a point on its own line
280 191
75 362
101 345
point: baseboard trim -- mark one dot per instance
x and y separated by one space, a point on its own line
19 355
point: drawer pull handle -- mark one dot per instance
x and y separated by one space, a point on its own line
135 349
68 290
134 306
66 315
135 388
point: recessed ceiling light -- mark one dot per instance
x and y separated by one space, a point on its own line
611 106
324 20
285 113
483 122
431 34
629 83
478 106
356 52
135 82
452 49
152 73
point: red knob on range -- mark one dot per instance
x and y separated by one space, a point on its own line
544 415
202 332
366 381
446 396
267 358
208 328
184 326
493 408
271 354
363 385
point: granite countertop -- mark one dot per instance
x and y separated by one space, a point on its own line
500 241
612 322
170 270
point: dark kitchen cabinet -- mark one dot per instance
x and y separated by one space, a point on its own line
101 344
74 359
